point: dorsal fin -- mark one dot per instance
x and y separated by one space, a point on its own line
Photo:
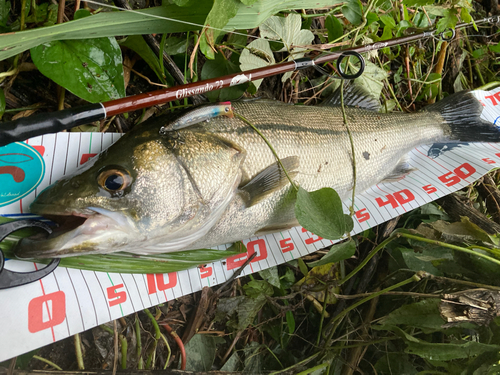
354 96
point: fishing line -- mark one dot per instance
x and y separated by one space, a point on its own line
174 20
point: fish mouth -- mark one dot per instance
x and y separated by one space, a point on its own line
77 232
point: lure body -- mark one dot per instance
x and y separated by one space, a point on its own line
198 115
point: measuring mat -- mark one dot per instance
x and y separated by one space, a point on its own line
70 301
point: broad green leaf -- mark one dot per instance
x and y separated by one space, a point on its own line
271 276
149 21
424 315
372 80
417 3
424 259
495 48
257 288
137 44
435 10
353 11
315 281
288 31
222 11
183 3
449 351
465 15
91 69
321 212
217 68
175 45
449 20
232 364
82 13
256 55
334 27
371 17
253 359
245 308
200 352
249 2
4 12
478 53
2 103
420 20
238 40
395 363
388 20
338 252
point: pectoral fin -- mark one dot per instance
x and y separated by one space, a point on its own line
402 169
269 180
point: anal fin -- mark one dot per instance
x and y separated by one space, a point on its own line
269 180
402 169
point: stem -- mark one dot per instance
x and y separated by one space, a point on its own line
476 66
23 15
351 208
140 361
322 318
270 146
78 351
415 277
151 356
48 362
124 348
453 247
160 57
368 258
313 369
301 363
169 350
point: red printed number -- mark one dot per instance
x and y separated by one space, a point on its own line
495 98
286 245
399 197
311 240
46 311
85 158
458 174
237 261
429 189
489 161
160 282
362 216
205 272
114 297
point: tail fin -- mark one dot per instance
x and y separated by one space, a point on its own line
462 113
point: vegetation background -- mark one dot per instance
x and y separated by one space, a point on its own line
417 295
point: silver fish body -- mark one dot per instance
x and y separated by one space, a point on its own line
195 188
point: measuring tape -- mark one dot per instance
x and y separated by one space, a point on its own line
70 301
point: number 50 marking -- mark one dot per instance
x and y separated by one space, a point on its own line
460 173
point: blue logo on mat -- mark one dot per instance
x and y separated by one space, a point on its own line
21 170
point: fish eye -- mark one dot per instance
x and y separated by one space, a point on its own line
226 109
114 179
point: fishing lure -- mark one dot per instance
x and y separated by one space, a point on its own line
201 114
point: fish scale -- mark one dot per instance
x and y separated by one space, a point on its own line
217 181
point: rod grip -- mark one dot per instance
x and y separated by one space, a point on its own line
52 122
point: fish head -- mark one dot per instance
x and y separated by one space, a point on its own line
147 193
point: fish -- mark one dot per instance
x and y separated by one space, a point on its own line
217 181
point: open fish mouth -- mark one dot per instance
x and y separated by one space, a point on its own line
87 231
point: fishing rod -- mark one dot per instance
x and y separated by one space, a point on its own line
53 122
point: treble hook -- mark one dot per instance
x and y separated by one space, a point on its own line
10 279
